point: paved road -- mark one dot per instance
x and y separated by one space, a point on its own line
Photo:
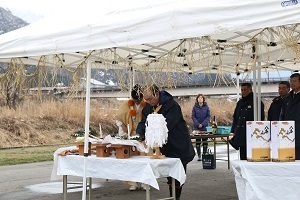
32 182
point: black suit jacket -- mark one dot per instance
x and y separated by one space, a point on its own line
243 112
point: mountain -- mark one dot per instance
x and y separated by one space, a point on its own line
9 22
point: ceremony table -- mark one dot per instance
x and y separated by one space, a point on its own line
136 169
267 180
215 139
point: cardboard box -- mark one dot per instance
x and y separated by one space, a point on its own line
283 141
258 140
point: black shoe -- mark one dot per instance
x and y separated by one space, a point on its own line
199 159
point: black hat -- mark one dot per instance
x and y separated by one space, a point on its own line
136 92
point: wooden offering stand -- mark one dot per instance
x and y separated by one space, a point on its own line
122 151
102 150
158 154
133 151
80 146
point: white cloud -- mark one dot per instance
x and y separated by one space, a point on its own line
33 10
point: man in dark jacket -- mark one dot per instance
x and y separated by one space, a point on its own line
274 112
243 112
179 143
291 109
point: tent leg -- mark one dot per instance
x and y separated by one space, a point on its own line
90 188
65 182
147 192
173 189
86 127
228 155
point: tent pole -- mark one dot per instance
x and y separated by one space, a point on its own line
133 80
259 92
238 88
87 122
130 80
254 94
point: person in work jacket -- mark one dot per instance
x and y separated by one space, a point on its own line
243 112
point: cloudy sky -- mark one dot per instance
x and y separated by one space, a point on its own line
33 10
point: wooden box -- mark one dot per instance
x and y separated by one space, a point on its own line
283 141
80 146
122 151
258 141
102 150
133 151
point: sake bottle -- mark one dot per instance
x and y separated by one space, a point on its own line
214 125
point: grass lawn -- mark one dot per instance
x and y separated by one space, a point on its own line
28 154
14 156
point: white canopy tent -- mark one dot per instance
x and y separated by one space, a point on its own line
183 35
172 35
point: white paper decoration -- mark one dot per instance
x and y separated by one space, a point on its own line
156 130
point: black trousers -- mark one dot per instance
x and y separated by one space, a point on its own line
198 146
297 153
243 153
177 183
178 188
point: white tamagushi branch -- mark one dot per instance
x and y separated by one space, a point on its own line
156 130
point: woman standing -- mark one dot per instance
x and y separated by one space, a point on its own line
201 117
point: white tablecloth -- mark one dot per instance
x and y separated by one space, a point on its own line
267 180
137 169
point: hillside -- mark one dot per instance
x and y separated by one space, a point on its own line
36 123
9 22
53 122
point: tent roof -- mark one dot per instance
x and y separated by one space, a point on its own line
184 35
